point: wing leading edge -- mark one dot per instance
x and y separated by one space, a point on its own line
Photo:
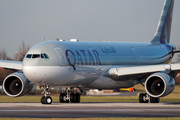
11 64
135 71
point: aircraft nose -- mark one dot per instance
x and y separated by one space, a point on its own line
42 55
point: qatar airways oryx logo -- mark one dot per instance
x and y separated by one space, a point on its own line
82 57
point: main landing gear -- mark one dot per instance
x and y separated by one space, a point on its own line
66 98
145 98
72 96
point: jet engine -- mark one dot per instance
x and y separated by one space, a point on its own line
159 85
16 85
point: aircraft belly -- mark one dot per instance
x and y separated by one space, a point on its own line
84 75
107 83
63 76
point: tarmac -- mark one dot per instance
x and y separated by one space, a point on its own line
126 93
84 110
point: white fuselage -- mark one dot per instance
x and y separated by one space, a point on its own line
82 64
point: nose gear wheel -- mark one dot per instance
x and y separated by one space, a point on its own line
46 99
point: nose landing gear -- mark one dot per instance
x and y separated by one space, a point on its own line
46 99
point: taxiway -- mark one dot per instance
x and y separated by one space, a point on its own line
80 110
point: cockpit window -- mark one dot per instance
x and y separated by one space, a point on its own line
43 56
29 56
36 56
46 56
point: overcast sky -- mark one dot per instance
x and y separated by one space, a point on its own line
86 20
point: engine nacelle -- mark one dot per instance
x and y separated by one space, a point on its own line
16 85
159 85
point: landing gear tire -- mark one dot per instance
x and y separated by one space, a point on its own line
142 98
62 98
154 100
75 98
46 100
43 100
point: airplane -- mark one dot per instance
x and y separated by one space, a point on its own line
98 65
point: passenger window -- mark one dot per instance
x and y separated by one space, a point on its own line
29 56
35 56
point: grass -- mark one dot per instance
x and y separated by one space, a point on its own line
173 97
36 99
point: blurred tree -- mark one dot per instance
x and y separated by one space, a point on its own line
3 55
23 49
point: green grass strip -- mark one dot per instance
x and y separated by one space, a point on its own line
84 99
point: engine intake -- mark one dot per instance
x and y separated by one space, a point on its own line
16 85
159 85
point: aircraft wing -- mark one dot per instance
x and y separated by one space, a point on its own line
136 71
176 51
11 64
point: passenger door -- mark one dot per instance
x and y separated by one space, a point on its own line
61 56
